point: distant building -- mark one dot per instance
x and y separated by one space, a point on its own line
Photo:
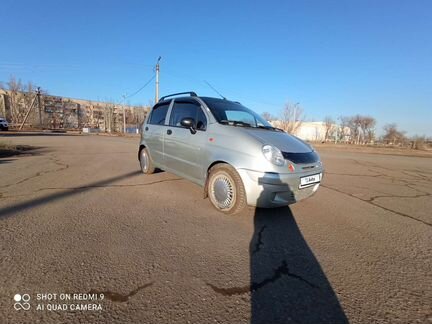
68 113
316 131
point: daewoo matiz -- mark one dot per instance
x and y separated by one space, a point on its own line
228 149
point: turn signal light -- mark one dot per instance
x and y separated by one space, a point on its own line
291 167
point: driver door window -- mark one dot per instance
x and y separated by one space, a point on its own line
184 109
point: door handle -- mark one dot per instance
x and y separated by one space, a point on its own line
169 131
146 128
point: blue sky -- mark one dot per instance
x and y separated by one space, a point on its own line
334 57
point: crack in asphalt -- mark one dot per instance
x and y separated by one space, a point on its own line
110 186
91 187
281 271
376 173
353 175
230 291
259 241
416 176
56 161
117 297
372 199
371 202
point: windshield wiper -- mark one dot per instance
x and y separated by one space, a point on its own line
270 128
243 124
235 123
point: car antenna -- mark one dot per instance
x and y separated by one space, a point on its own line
215 90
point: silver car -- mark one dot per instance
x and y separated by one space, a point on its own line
228 149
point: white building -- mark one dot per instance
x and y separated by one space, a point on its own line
313 131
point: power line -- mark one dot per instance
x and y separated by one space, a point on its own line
136 92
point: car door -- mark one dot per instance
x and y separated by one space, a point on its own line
155 130
184 151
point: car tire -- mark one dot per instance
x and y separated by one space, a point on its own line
225 189
146 163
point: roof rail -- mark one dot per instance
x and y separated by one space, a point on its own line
190 93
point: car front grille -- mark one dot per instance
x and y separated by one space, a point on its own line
301 158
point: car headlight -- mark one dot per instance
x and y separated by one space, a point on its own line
273 154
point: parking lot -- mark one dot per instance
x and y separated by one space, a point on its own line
77 216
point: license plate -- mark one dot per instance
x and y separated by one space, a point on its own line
310 179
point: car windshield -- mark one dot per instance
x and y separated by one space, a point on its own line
235 114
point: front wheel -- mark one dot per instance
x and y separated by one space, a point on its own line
225 189
145 162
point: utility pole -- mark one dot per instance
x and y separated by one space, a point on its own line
295 111
295 115
157 80
124 114
31 106
39 106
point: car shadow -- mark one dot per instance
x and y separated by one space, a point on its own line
21 150
3 160
34 134
287 283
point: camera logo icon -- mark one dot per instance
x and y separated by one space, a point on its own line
22 302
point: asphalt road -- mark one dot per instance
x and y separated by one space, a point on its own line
77 216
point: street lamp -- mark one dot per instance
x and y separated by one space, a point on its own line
157 80
295 110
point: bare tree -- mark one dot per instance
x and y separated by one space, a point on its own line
367 125
267 116
291 118
139 113
359 129
354 126
109 116
344 129
15 88
418 142
329 127
393 135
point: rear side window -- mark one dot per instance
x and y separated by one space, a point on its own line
184 109
158 114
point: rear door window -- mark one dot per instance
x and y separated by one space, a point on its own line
158 114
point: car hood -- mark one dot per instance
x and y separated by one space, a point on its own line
283 141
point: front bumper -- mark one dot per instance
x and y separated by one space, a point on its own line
268 189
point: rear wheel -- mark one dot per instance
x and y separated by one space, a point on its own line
225 189
145 162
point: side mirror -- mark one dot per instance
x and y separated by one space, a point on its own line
189 123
